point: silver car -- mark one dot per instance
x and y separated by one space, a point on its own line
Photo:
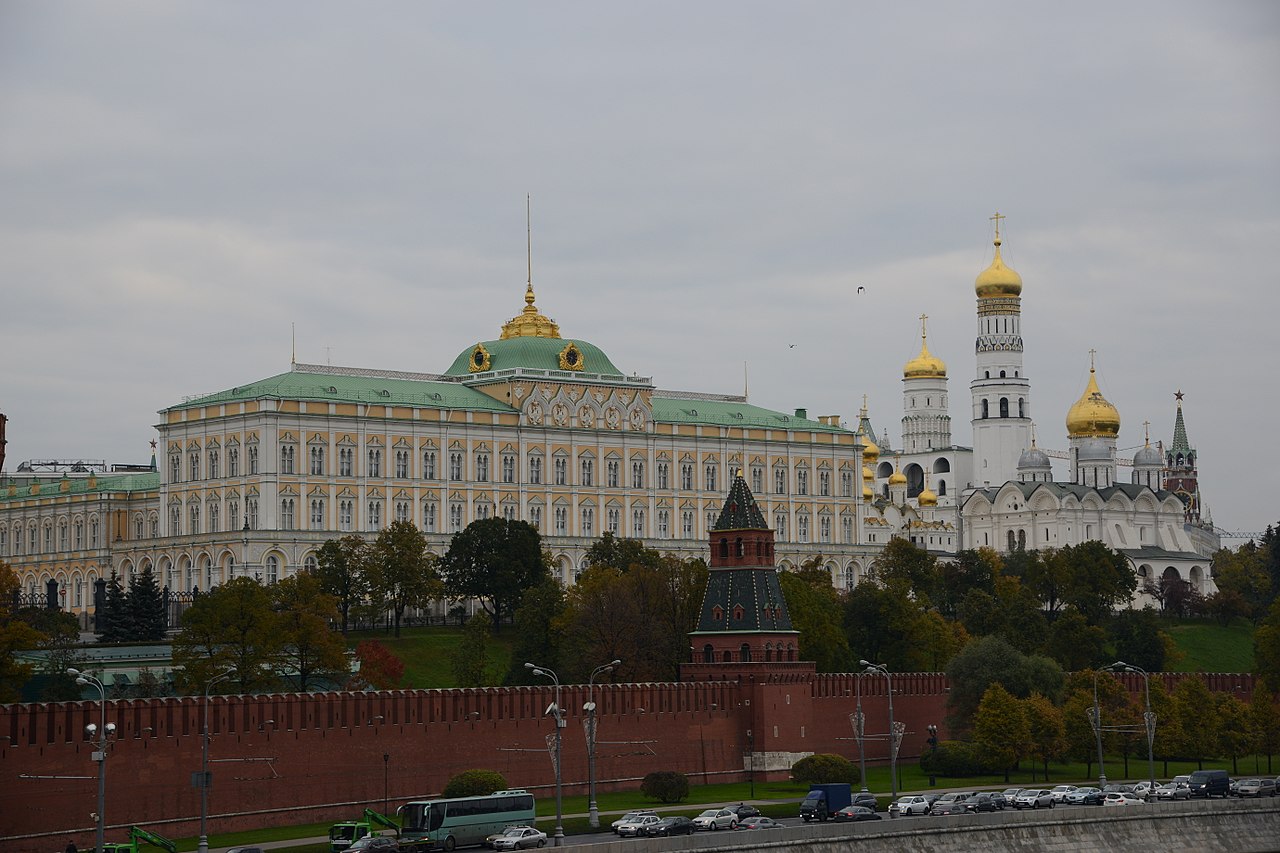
717 819
1256 788
909 805
1034 798
1173 791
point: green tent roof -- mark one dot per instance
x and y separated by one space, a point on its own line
343 388
145 481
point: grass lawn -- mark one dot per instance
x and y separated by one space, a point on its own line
428 653
1209 647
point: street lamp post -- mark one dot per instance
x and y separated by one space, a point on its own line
102 732
559 715
751 758
203 845
859 726
386 778
1149 722
593 813
1097 731
893 734
933 754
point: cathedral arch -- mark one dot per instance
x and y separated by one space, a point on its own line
884 470
1004 407
915 479
1022 540
941 466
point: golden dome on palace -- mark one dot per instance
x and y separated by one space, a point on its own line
927 497
897 478
530 323
868 474
1092 415
870 451
925 365
998 281
867 494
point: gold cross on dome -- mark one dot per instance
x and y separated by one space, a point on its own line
1092 353
996 219
923 317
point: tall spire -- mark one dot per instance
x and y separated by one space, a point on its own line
530 323
1180 442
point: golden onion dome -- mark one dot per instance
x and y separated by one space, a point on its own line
867 494
870 451
998 281
897 478
925 365
868 474
1092 415
927 497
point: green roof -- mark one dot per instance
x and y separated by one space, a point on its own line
146 481
348 388
724 413
536 353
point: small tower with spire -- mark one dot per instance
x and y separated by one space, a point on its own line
744 616
1180 475
1093 425
1148 464
926 423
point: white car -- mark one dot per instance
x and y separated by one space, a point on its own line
909 805
1142 789
631 815
520 838
638 825
1121 798
1060 792
716 819
1034 798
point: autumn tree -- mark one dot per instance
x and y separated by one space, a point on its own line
1234 729
1241 578
1264 721
494 560
907 568
403 573
232 627
309 650
1200 724
1266 646
1047 730
1001 732
15 636
343 567
380 669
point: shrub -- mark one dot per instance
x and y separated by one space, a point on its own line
824 768
474 783
665 786
956 758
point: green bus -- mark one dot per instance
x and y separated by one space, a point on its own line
465 820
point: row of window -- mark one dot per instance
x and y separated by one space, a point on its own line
33 538
429 521
613 471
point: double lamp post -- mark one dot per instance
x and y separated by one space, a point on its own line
100 736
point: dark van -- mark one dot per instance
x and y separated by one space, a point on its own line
1209 783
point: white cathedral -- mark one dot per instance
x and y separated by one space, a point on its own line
1001 493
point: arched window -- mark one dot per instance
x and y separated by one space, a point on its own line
942 488
1002 373
1022 407
1013 541
1022 540
746 652
985 409
1004 407
724 548
708 654
737 544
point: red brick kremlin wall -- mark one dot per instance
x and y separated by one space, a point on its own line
297 758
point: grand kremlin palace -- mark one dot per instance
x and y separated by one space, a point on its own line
543 428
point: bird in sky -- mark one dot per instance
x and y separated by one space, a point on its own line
791 346
861 288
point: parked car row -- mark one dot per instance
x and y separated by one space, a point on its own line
647 823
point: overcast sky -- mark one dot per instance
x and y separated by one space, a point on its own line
712 182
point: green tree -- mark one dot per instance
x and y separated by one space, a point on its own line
621 553
403 572
1098 580
471 662
905 567
232 627
59 639
147 619
990 660
1242 576
1073 642
970 571
309 650
1135 636
537 638
1001 732
825 768
1269 545
884 624
1266 646
1046 573
115 622
343 569
1047 729
665 786
816 612
494 560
